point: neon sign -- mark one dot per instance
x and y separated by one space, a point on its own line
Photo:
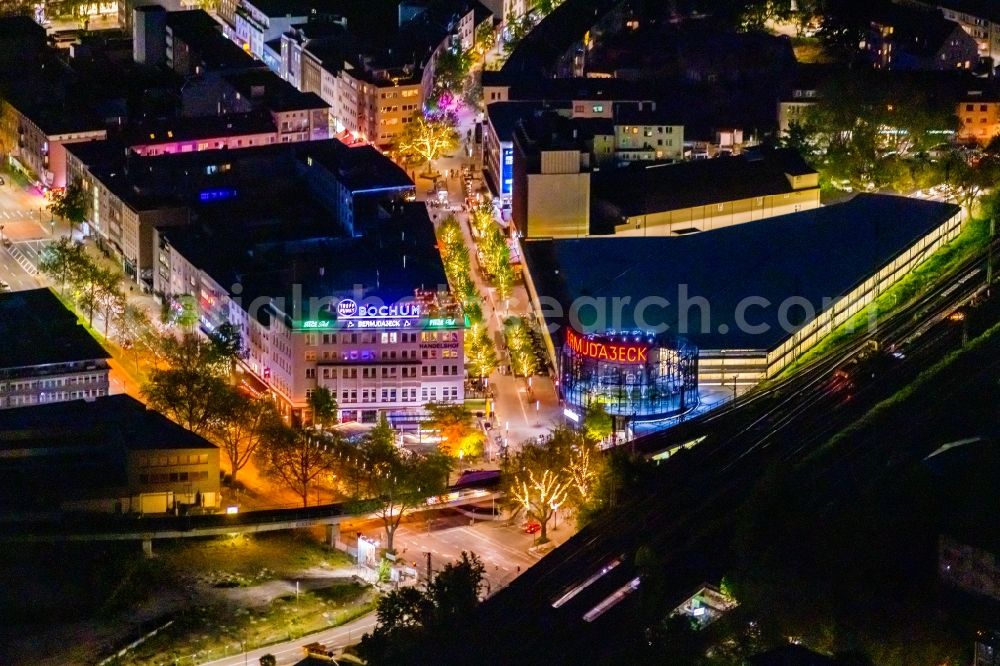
349 309
606 351
313 323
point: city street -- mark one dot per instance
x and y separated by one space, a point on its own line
503 548
522 411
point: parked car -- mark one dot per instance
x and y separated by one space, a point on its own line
531 527
4 286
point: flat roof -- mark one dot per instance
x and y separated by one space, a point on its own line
117 421
640 189
301 258
812 256
37 329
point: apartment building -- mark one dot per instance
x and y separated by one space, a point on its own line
46 356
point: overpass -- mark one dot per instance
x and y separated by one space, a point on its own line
109 527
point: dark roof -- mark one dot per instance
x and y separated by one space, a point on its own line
20 27
192 21
119 420
203 127
502 116
305 259
273 92
37 329
278 8
918 31
540 50
358 168
817 254
641 190
790 655
626 113
988 9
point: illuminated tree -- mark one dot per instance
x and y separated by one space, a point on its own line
480 354
453 422
583 466
243 424
390 481
294 458
597 425
485 37
427 137
536 482
523 361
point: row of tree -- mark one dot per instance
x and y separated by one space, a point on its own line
480 352
95 289
494 253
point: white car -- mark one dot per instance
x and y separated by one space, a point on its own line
4 286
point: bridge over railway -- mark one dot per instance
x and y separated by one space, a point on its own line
146 529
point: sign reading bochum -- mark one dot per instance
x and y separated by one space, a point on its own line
606 351
349 309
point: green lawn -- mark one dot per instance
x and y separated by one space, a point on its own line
248 559
211 632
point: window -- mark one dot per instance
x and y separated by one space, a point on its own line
310 373
598 108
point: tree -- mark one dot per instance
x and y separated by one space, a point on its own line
451 68
453 422
63 260
191 390
193 398
243 424
323 405
481 354
536 481
391 481
295 458
109 296
597 425
485 37
131 328
427 137
227 341
71 204
455 590
93 283
411 621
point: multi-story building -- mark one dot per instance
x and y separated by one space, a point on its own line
260 21
46 355
368 316
557 192
906 38
644 134
34 134
978 117
109 455
979 18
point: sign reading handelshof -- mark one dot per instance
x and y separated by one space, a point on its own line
351 315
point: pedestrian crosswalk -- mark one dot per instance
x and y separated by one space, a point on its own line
17 214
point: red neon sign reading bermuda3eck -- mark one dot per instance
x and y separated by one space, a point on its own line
606 351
